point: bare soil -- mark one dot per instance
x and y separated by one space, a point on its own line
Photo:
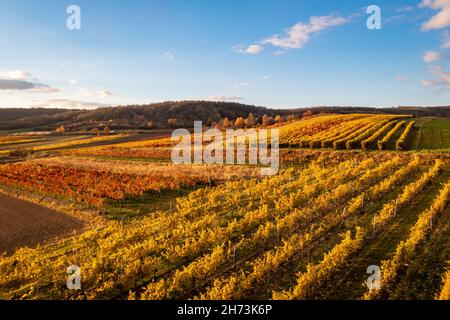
25 224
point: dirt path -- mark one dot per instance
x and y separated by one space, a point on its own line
24 223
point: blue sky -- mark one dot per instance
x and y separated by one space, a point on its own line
275 53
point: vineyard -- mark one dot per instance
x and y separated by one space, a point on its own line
351 193
283 237
339 132
225 159
66 144
11 140
359 131
93 182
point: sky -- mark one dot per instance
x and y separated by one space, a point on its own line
273 53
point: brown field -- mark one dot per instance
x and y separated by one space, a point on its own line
23 223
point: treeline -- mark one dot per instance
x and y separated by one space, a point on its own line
172 114
438 111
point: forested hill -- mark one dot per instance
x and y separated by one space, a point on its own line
158 115
171 114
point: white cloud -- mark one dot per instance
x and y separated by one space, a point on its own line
298 35
241 85
428 83
441 19
169 55
224 98
280 53
446 44
405 9
265 77
44 89
106 94
83 92
442 78
401 77
67 104
431 56
252 49
19 80
15 75
439 72
23 85
8 84
87 93
20 89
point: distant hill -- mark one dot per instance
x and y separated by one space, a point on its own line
181 113
441 111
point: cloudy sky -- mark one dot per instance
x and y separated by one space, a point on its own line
276 53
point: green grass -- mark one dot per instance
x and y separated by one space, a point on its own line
133 207
435 134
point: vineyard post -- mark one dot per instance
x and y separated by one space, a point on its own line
343 216
205 280
54 278
373 229
395 208
73 241
141 269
